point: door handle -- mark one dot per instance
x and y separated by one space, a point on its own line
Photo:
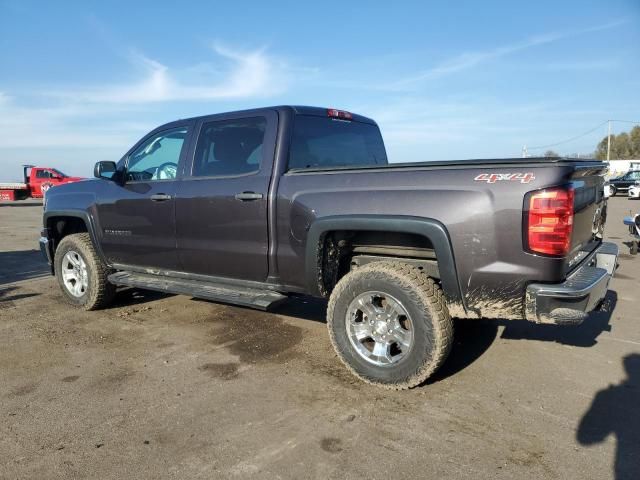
248 196
160 197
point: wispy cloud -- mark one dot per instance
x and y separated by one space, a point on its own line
238 74
470 60
83 116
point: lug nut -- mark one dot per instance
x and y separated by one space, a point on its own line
390 331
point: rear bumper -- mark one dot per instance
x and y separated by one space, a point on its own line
569 302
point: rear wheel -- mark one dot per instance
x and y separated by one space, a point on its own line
614 190
633 250
389 324
81 274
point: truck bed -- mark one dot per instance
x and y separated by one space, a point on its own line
474 162
13 186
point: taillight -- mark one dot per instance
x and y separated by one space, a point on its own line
550 221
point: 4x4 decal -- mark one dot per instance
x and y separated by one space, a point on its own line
509 177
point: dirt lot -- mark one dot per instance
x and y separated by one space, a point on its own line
171 387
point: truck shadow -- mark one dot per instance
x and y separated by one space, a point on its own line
127 296
7 297
584 335
22 265
305 308
472 338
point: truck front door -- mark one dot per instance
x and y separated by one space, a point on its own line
221 204
136 216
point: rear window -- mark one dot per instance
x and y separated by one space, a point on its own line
328 142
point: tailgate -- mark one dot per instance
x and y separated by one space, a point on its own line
590 211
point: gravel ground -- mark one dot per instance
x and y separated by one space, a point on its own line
162 386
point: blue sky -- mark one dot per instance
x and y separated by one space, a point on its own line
82 81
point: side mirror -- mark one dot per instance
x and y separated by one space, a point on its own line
104 169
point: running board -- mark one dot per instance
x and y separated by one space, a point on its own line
247 297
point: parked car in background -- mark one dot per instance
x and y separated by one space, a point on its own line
250 207
36 181
608 189
622 183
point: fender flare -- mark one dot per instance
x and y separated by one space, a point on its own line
426 227
88 221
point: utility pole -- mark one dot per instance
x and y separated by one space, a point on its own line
609 140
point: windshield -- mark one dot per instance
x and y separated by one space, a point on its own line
330 142
58 172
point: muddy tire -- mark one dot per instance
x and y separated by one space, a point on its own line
389 324
81 274
633 250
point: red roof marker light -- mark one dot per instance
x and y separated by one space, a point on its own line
341 114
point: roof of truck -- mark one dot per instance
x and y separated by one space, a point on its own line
295 109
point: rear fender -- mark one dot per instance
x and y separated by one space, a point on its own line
426 227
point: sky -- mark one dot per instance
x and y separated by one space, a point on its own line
83 81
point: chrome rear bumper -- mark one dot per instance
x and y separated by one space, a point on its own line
569 302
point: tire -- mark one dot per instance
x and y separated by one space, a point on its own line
428 321
91 290
633 250
614 191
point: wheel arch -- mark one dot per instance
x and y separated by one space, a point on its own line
60 223
432 230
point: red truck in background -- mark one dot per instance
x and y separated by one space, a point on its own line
37 180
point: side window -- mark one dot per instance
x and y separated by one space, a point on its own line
43 174
634 176
158 157
229 147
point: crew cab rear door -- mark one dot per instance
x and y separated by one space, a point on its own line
221 203
136 216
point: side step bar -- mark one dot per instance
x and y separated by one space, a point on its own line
247 297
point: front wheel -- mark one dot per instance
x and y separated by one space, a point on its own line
81 274
389 324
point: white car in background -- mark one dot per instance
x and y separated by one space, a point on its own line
608 190
634 191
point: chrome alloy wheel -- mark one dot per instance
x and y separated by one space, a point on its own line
74 274
379 328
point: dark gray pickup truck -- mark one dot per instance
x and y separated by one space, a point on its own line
251 207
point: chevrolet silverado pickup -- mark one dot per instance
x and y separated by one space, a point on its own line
254 206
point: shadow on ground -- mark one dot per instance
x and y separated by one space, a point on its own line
7 297
614 411
22 265
127 297
305 308
472 338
